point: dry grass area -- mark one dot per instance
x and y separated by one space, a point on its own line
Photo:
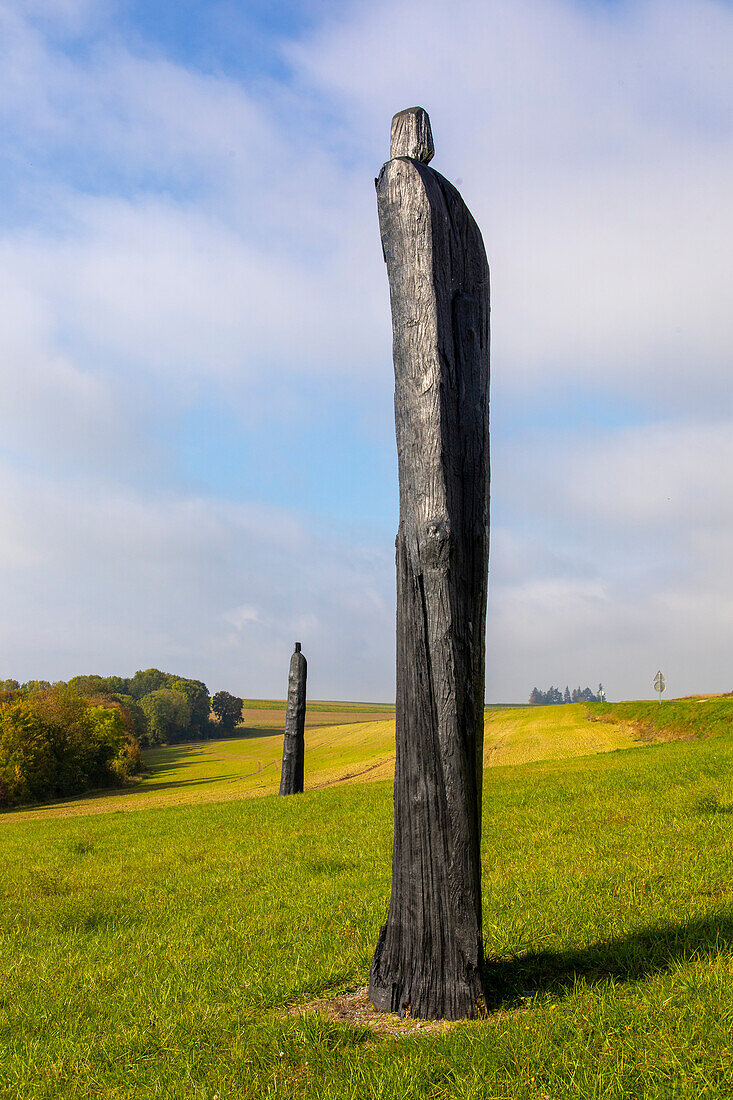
530 734
256 719
343 747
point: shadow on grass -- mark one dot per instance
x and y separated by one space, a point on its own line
622 959
146 788
197 748
115 792
245 732
171 759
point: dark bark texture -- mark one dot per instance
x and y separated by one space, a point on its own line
429 957
291 777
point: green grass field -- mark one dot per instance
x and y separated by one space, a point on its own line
673 720
349 744
161 952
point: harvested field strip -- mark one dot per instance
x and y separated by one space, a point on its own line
248 764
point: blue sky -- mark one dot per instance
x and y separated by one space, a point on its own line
197 459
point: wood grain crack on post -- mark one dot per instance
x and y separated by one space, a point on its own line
291 777
429 957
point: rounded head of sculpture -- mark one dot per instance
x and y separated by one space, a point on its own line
297 647
411 135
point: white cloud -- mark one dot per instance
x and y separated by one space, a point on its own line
177 229
54 407
591 145
671 477
113 581
167 287
240 616
594 149
621 560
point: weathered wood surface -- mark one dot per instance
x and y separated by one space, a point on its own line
291 777
429 956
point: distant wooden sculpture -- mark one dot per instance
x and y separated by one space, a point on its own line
291 778
429 957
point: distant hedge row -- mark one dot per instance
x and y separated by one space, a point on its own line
64 738
164 707
54 742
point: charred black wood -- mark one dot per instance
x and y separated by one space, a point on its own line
291 777
429 957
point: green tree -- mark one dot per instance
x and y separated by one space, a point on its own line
80 740
146 681
197 696
64 714
133 716
32 687
115 752
100 685
227 708
168 714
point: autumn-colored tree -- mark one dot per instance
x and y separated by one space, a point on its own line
54 742
27 759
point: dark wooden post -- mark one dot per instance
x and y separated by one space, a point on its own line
429 956
291 778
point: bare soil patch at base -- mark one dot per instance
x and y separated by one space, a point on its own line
357 1010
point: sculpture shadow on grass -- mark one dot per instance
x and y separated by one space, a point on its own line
630 958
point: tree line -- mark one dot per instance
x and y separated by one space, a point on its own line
554 695
64 738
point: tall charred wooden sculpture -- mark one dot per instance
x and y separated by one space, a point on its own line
429 957
291 778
